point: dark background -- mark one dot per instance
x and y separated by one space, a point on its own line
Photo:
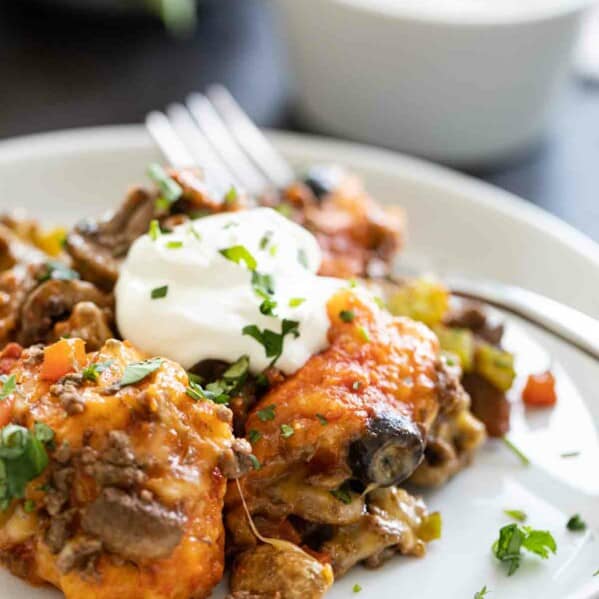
60 70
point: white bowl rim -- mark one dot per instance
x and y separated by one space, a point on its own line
88 139
386 9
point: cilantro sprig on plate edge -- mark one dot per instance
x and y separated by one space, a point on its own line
513 538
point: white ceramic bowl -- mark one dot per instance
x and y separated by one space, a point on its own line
463 86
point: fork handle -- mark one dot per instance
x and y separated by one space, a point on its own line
569 324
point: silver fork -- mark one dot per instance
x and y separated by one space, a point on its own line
213 131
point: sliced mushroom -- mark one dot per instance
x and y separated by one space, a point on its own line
134 529
96 247
88 322
53 301
267 571
388 452
14 251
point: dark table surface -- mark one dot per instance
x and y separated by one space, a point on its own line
60 70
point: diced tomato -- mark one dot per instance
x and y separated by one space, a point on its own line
5 411
10 354
540 390
62 357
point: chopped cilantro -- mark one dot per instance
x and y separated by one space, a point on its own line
513 538
254 436
231 196
482 593
356 385
23 457
294 302
322 419
342 494
263 284
356 588
43 432
91 372
9 384
576 523
267 413
518 515
364 334
170 190
174 245
262 380
159 292
221 390
194 232
255 462
154 231
302 257
284 210
29 505
286 431
525 461
352 283
54 269
569 454
347 315
265 239
271 341
273 250
380 302
137 371
238 254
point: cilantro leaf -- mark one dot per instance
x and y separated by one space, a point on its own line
364 334
93 371
54 269
271 341
137 371
342 494
540 542
231 196
254 436
238 254
170 190
154 231
482 593
221 390
286 431
322 419
255 462
356 588
267 413
507 548
513 538
265 239
302 257
576 523
518 515
9 384
264 287
294 302
347 315
159 292
23 457
523 458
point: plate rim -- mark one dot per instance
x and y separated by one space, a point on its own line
473 190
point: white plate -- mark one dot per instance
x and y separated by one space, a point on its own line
456 224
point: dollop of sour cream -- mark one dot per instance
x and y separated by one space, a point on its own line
210 278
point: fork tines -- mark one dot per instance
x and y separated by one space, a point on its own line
212 131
